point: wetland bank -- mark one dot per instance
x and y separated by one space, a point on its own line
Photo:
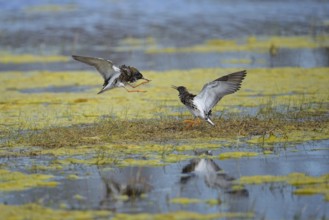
68 153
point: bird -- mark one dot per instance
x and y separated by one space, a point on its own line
203 167
114 76
200 105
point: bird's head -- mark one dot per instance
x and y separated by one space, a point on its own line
136 75
180 89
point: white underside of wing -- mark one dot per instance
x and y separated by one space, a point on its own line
111 84
211 94
115 68
104 67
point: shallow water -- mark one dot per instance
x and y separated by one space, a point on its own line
173 35
122 30
210 179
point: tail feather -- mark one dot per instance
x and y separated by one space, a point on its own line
210 122
106 82
101 91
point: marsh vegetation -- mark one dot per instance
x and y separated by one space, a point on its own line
68 153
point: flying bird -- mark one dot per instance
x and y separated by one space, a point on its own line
114 76
200 105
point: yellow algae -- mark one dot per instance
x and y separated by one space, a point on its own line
173 158
194 146
237 154
236 188
268 139
311 190
297 179
306 185
291 87
79 197
50 8
213 202
122 197
183 215
221 42
267 152
30 58
185 201
86 161
150 155
13 181
72 177
134 162
80 150
292 135
261 179
36 167
35 211
263 44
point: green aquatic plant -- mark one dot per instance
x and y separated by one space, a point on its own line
14 181
30 58
305 185
188 201
237 154
184 215
37 212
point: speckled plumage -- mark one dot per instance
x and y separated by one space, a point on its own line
200 105
129 74
113 76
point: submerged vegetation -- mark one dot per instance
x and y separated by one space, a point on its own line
14 181
306 185
36 211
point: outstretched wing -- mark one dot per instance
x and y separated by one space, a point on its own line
213 91
104 67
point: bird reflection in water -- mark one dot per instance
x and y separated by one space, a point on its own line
214 177
118 192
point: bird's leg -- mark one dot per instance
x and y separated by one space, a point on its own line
146 81
191 123
188 123
134 90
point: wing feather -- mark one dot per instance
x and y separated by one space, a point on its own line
212 92
104 67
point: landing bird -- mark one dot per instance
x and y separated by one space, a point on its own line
114 76
200 105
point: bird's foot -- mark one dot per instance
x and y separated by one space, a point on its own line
134 86
192 123
136 90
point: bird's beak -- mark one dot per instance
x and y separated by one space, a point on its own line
148 80
174 87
